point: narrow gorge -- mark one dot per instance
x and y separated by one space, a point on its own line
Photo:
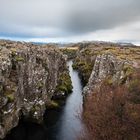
47 92
59 123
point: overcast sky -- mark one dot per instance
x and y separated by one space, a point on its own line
70 20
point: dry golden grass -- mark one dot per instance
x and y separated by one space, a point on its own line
70 48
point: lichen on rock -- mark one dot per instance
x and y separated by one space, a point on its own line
29 76
108 67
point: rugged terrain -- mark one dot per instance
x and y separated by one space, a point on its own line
104 59
30 76
112 94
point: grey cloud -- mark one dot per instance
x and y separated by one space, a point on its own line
61 18
96 15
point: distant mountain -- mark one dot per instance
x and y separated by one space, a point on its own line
125 44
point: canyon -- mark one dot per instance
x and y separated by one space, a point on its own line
33 77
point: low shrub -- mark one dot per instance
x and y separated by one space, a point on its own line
113 113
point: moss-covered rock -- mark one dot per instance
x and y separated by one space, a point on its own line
19 58
84 68
128 70
65 84
88 52
53 104
70 52
29 77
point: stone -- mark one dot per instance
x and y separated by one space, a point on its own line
29 76
105 65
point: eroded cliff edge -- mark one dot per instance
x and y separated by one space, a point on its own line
112 62
112 92
30 76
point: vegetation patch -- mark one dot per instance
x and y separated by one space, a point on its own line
10 95
134 89
65 84
52 104
128 70
19 58
70 52
84 68
113 112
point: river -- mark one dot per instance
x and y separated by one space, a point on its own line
59 124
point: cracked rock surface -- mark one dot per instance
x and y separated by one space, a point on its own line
29 76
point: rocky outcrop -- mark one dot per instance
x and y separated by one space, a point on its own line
108 67
84 63
70 52
29 77
98 61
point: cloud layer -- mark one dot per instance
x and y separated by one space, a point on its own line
68 19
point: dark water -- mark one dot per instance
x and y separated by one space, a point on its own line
60 124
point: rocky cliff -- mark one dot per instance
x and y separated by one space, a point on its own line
97 62
30 76
109 69
112 98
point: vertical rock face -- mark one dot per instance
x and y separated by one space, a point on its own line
84 63
101 61
107 66
29 76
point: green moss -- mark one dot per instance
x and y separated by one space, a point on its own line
74 65
13 50
40 85
18 58
128 70
84 67
87 52
62 88
34 109
85 70
65 84
71 53
10 93
10 97
81 63
109 81
52 104
87 67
